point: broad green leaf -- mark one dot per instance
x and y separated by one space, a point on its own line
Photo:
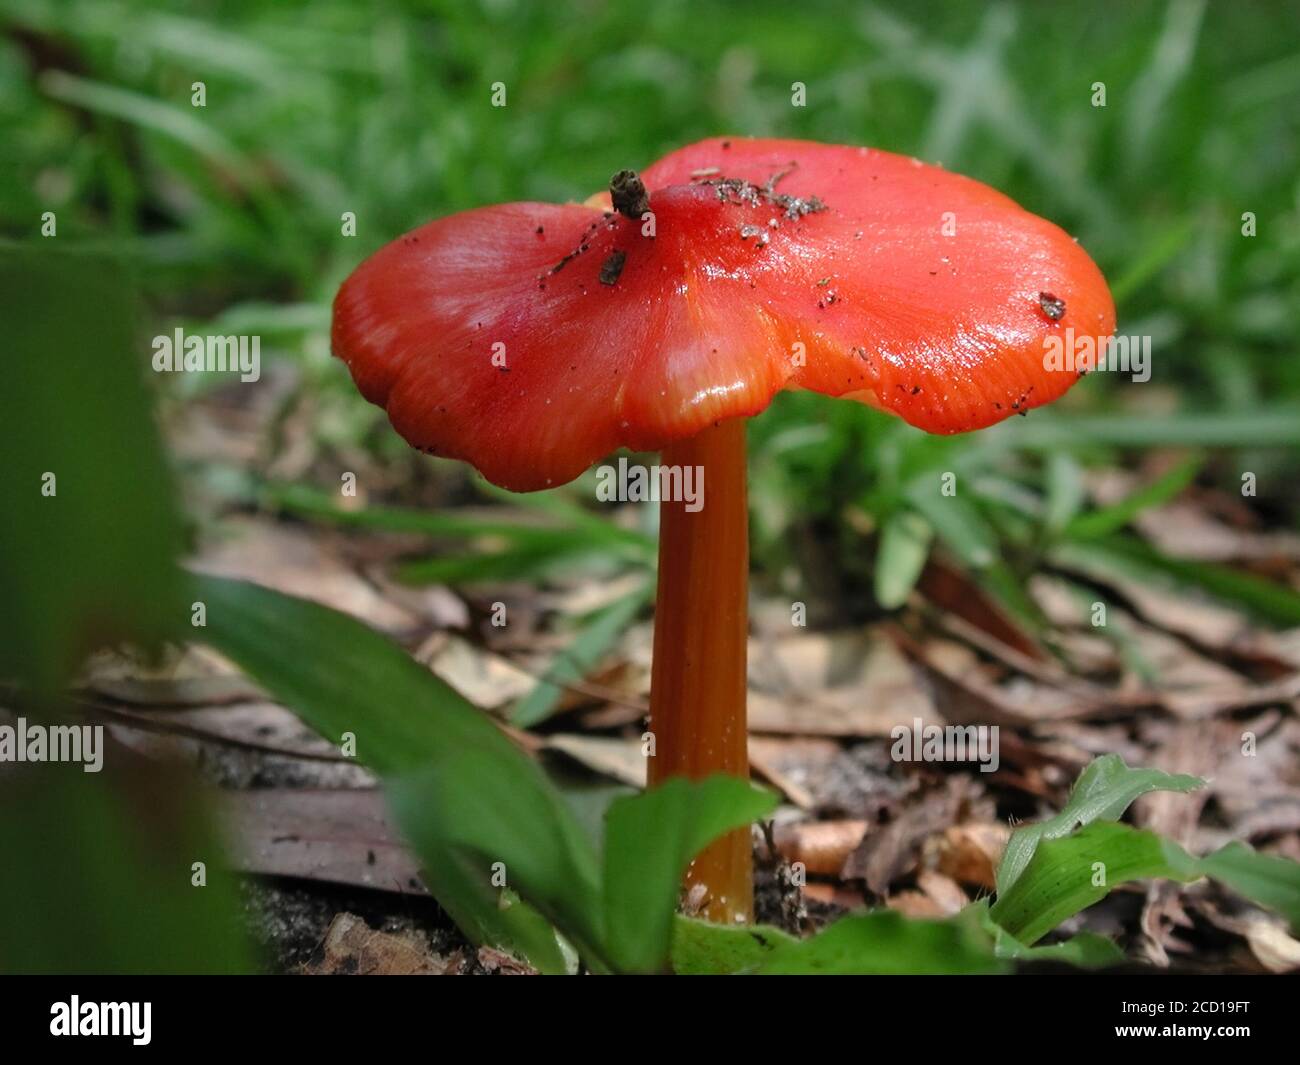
97 868
702 948
1085 950
1104 790
98 874
904 547
1266 879
1106 520
649 841
598 635
88 531
462 793
887 943
1070 873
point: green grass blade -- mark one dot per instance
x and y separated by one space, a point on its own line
1110 519
904 547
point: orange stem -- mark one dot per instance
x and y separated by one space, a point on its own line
697 685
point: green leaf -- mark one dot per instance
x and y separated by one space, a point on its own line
533 560
887 943
1063 876
1065 490
958 522
1137 560
1274 426
1111 519
649 841
572 664
97 868
1070 873
1157 253
904 547
1104 790
562 525
1087 950
1266 879
462 793
88 530
701 948
98 874
557 505
306 502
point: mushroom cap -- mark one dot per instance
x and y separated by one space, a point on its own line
530 339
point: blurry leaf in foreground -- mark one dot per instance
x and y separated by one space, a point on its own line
462 793
1103 791
886 942
649 840
87 528
100 879
882 942
704 949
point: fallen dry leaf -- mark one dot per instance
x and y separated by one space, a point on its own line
340 836
887 852
297 562
619 759
822 846
970 852
850 683
353 948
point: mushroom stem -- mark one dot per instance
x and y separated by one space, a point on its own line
697 686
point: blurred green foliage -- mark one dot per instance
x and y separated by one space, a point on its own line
231 213
99 869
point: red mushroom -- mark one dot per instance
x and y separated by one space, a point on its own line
531 339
